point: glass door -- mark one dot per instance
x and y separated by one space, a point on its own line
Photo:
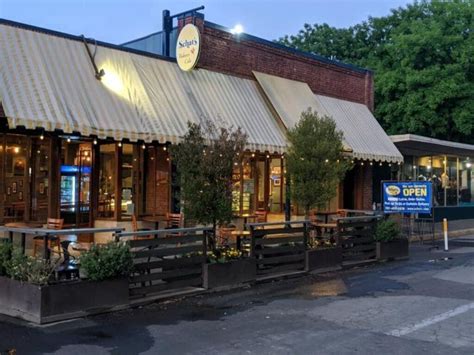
76 172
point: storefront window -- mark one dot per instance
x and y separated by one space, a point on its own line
236 188
75 189
156 184
248 186
107 178
466 178
275 179
16 178
127 181
261 185
452 181
40 179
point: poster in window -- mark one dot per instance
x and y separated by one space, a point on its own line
14 187
19 164
277 182
41 188
20 195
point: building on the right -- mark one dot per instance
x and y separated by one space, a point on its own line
448 165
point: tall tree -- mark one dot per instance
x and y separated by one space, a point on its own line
423 58
315 160
204 160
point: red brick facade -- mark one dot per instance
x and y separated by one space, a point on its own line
223 52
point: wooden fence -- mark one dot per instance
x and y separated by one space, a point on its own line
356 237
279 247
166 259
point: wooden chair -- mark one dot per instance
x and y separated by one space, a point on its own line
54 241
261 216
136 229
175 220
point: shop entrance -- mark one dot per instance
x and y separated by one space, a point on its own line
349 190
76 173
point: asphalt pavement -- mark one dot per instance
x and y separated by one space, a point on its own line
421 305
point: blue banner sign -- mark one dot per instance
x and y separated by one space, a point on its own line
407 197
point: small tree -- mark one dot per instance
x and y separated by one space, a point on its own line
204 160
315 160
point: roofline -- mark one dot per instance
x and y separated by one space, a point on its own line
399 138
80 38
145 37
279 46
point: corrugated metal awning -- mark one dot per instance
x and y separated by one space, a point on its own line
47 81
363 135
412 144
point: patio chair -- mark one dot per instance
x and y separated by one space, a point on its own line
175 220
261 216
136 229
54 241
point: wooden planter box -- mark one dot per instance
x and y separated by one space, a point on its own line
50 303
395 249
324 259
230 274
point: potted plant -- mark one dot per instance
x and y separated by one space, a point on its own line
389 243
323 255
30 290
226 267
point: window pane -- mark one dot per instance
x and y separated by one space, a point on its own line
107 181
156 181
40 175
248 178
127 181
452 182
466 182
15 177
236 188
275 185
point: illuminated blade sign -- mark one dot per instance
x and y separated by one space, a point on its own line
407 197
188 47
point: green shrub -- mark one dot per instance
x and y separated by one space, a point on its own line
387 230
28 269
5 256
109 261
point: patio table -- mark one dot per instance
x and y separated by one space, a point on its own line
155 219
22 226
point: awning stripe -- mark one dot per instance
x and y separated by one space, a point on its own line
363 135
47 81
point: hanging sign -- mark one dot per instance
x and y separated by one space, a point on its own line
188 47
407 197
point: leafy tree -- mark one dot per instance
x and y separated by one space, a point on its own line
422 56
315 160
205 160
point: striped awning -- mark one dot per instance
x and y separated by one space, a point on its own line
47 81
363 135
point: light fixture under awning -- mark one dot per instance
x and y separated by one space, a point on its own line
363 135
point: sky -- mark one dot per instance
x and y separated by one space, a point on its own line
118 21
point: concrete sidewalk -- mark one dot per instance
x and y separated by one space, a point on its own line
421 305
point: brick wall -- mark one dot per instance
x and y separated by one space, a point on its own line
223 52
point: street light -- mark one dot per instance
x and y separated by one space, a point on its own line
238 29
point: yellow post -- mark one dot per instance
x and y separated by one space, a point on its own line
445 231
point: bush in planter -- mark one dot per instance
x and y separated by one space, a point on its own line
5 256
108 261
387 230
29 269
223 255
315 243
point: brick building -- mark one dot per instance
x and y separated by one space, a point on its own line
86 124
